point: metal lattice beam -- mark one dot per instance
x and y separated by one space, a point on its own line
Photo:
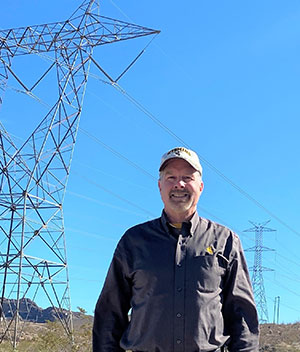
33 176
258 269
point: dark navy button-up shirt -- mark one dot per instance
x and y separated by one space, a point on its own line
188 291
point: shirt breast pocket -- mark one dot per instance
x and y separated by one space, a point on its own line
208 271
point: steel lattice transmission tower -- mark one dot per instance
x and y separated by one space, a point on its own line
33 176
258 269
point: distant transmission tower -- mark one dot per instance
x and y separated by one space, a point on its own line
276 310
257 269
33 176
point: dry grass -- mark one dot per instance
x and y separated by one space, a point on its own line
50 337
280 338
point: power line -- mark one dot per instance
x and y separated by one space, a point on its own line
293 279
130 162
280 270
288 259
284 304
119 155
116 195
90 199
93 235
284 287
85 166
204 160
180 140
210 165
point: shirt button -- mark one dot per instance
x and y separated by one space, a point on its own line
178 342
178 315
179 289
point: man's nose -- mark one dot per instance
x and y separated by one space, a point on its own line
180 183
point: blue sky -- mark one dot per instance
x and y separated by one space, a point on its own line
222 76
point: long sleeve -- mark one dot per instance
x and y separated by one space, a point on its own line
186 295
239 308
111 313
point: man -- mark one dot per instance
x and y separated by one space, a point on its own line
184 278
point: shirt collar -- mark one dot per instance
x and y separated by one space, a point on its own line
194 221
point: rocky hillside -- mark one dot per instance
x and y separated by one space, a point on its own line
30 311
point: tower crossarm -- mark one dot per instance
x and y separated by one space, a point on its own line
257 228
263 268
95 30
261 249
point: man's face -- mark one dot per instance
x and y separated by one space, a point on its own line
180 187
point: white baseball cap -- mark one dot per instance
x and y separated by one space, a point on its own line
181 153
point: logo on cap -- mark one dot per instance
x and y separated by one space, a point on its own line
177 151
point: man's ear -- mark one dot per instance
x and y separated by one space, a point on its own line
201 186
159 186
